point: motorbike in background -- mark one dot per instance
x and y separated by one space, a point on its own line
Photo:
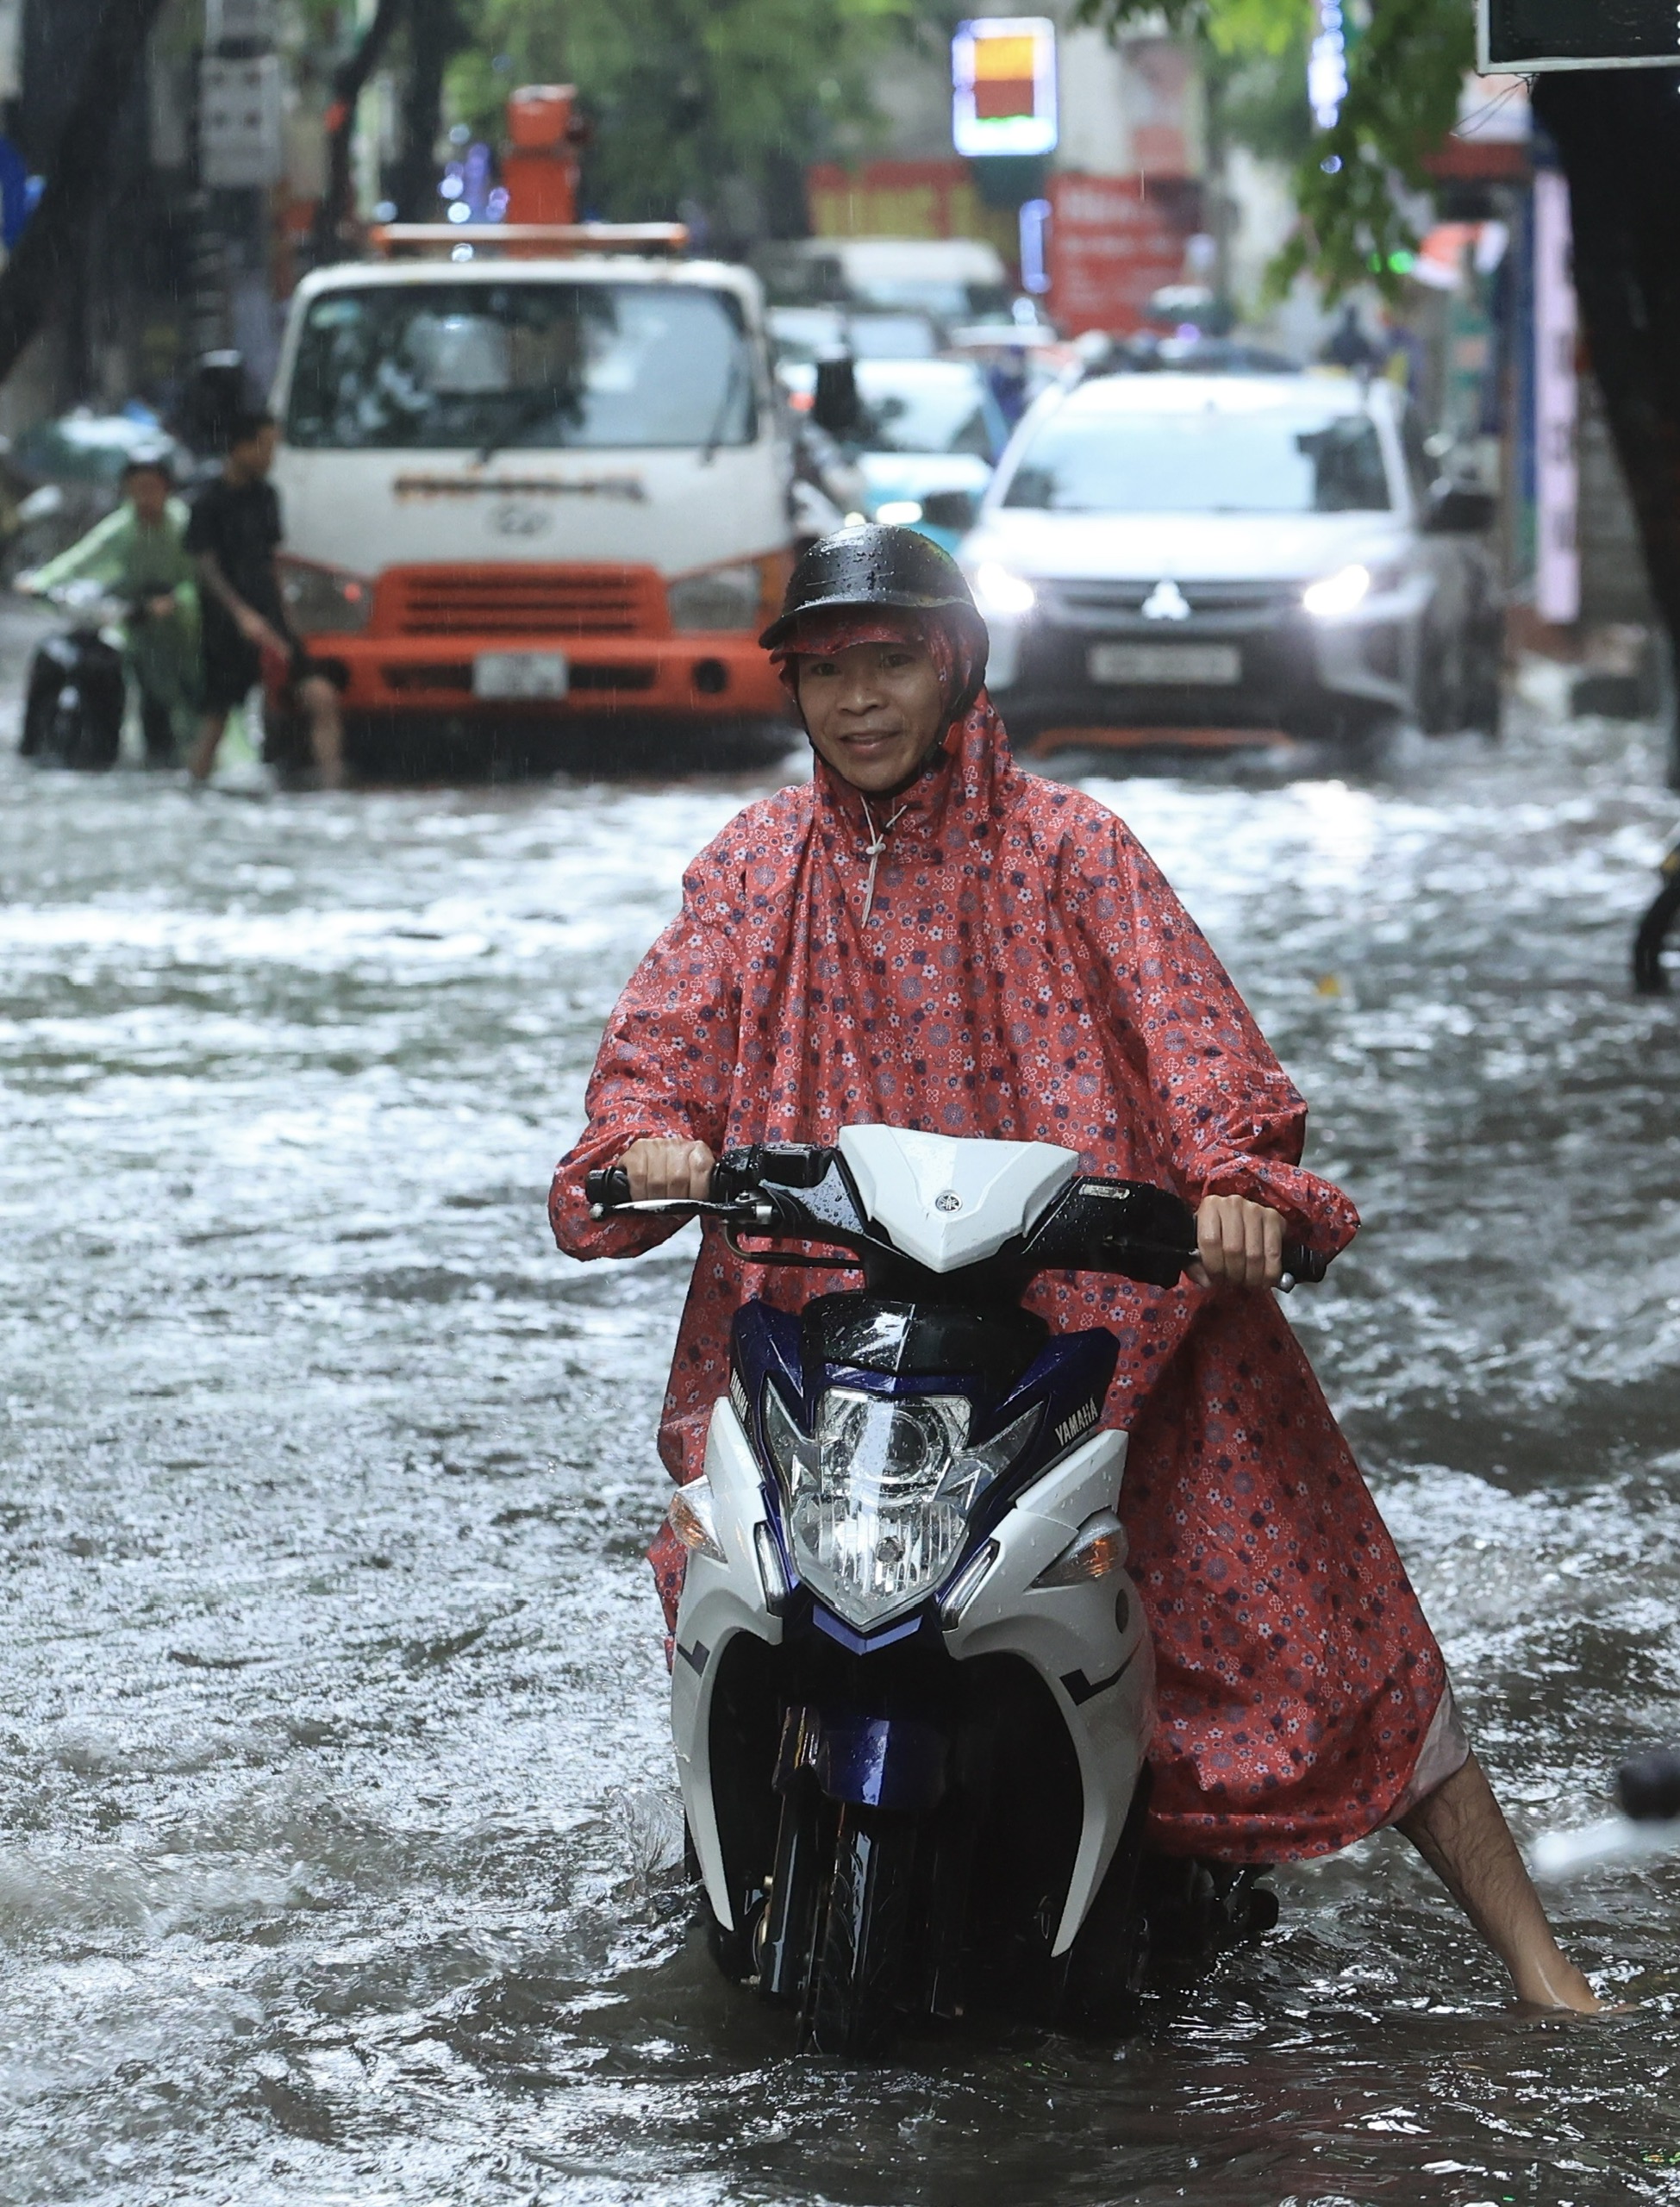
912 1691
74 698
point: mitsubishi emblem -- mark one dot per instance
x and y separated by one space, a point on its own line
1166 602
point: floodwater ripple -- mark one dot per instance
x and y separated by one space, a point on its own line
338 1837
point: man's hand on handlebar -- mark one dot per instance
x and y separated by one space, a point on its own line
678 1169
1239 1244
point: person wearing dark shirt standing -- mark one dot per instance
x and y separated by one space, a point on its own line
234 534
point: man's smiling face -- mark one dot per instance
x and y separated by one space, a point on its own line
874 710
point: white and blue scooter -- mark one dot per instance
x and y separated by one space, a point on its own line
913 1689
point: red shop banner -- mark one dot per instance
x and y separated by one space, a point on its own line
1115 240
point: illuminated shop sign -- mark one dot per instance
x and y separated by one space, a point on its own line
1003 85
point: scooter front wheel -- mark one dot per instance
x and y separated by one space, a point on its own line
858 1968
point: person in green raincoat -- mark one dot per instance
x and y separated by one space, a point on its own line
138 553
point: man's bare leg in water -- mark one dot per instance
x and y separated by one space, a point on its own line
1460 1831
319 702
202 763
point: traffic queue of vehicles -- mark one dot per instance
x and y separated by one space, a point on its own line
541 478
558 486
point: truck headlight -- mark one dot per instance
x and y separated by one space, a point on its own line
324 601
719 597
878 1501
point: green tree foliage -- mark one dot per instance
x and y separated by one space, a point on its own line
1406 65
683 94
1257 99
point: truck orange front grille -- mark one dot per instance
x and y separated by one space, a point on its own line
520 601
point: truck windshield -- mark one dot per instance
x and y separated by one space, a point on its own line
1270 461
531 366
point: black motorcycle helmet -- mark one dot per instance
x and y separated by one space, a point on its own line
892 568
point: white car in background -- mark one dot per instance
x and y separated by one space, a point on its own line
1199 560
917 431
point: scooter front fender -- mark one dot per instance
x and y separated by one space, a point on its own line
1087 1641
719 1600
872 1762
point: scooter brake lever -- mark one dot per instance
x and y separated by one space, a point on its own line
749 1214
1300 1264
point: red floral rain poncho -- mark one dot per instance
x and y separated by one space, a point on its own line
1026 973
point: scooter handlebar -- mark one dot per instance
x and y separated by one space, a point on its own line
1305 1267
608 1190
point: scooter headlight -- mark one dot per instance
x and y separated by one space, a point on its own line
878 1501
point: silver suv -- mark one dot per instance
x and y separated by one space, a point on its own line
1195 561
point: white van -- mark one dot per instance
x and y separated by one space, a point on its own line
954 279
539 487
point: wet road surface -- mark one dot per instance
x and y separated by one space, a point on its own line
337 1827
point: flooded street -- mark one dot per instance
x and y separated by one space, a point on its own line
338 1840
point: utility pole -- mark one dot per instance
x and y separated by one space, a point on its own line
242 156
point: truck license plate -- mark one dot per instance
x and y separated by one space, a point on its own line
1165 663
520 674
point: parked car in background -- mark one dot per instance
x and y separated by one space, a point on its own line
924 434
1199 560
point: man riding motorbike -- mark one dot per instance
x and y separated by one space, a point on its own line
925 937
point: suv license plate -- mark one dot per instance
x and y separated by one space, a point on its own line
520 674
1165 663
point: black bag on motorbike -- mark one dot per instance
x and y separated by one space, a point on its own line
72 713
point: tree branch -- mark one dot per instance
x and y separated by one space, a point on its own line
334 223
435 32
79 177
1404 75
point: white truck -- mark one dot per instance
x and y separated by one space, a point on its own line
537 479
